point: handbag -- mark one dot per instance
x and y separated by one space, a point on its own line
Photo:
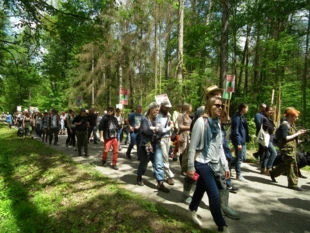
263 137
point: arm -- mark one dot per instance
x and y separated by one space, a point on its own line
284 130
235 125
145 127
181 123
196 138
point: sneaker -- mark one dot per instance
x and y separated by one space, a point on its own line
170 181
193 216
115 167
161 187
186 199
103 162
232 189
242 179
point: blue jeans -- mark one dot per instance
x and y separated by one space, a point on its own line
134 139
120 135
206 183
269 157
158 162
240 156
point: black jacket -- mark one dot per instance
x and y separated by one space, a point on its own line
104 126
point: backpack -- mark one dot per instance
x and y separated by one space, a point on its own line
112 128
278 133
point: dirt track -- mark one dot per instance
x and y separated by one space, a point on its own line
264 207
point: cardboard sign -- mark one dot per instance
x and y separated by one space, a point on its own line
123 96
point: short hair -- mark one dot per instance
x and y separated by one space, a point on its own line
242 106
292 112
110 108
267 109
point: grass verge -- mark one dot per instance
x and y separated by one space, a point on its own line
42 190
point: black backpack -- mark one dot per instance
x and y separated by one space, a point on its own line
278 133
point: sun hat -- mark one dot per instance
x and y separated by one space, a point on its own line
211 89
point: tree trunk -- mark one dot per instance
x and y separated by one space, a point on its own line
244 56
180 42
224 44
304 78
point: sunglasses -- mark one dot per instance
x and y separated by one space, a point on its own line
219 105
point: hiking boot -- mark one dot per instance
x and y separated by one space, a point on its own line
170 181
103 162
194 217
295 188
242 179
161 187
115 167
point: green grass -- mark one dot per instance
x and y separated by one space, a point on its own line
42 190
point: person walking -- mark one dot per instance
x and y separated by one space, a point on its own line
206 156
8 119
120 121
108 135
81 126
92 125
239 138
133 122
258 120
163 121
184 122
53 127
150 149
176 143
70 129
62 117
287 136
44 126
270 153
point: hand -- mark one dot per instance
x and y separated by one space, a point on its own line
239 147
101 139
227 175
190 174
301 131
